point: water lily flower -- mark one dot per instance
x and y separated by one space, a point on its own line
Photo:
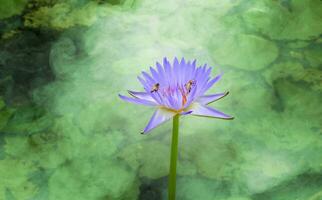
177 88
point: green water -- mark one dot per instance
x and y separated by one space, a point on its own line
65 134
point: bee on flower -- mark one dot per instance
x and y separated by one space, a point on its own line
177 88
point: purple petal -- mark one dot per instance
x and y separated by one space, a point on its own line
141 95
159 117
157 97
167 70
191 96
144 84
161 73
186 113
155 74
204 111
207 99
175 69
180 73
208 72
138 101
173 102
148 78
212 82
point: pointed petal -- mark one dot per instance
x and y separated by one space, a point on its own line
186 113
138 101
205 111
180 71
148 78
161 72
159 117
175 70
167 71
208 72
141 95
155 74
207 99
144 84
211 83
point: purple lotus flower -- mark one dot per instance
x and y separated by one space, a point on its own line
177 88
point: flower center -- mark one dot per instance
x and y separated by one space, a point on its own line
171 95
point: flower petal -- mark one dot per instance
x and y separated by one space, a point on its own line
161 73
144 83
167 70
211 83
148 78
159 117
205 111
138 101
207 99
186 113
141 95
175 71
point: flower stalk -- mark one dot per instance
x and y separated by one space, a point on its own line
176 89
173 159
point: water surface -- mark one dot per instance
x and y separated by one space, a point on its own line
64 133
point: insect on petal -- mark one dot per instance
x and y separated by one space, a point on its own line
177 87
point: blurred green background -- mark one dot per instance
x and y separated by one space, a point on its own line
65 135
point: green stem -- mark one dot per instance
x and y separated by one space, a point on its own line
173 158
